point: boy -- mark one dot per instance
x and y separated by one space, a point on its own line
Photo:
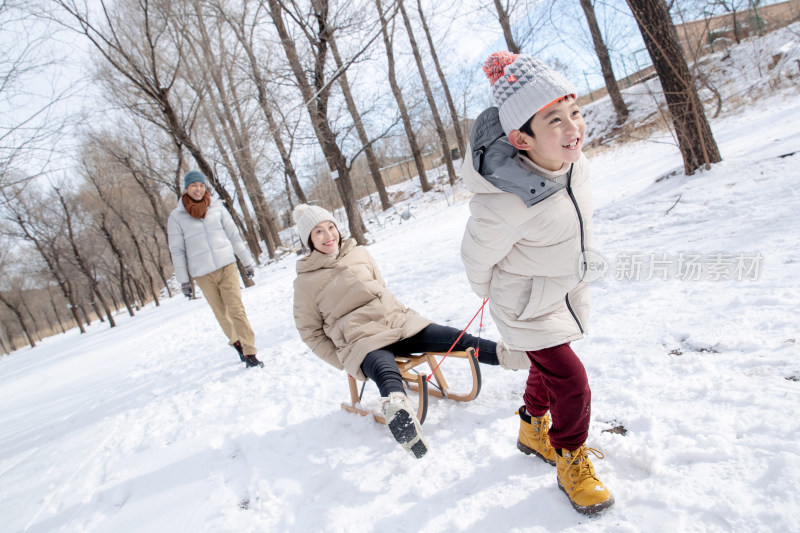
524 249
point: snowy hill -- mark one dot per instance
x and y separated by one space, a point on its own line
693 359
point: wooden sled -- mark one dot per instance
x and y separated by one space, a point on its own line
418 382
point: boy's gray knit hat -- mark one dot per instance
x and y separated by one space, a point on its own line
307 216
522 86
194 176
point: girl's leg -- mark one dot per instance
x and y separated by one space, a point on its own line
437 338
398 411
380 367
564 377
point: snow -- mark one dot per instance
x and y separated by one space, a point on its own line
155 426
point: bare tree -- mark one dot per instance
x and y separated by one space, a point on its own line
316 98
136 42
29 126
695 139
60 321
244 28
369 153
252 233
44 231
520 21
15 308
117 251
734 8
213 60
443 80
115 206
504 19
437 120
134 159
12 296
605 62
388 38
80 261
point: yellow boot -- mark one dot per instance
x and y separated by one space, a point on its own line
577 479
533 438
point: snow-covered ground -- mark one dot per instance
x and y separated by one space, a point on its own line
155 426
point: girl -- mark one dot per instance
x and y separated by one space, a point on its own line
348 318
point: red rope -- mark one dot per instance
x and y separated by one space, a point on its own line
479 311
480 328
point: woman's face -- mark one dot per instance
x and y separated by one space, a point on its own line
196 190
325 237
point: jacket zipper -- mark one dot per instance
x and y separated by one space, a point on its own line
583 249
208 241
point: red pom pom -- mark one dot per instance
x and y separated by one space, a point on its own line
494 67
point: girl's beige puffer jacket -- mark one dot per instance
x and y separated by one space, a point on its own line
527 260
343 309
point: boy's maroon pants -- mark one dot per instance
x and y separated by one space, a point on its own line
557 382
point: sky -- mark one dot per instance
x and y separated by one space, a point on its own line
155 425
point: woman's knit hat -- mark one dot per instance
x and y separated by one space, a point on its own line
194 176
307 216
522 86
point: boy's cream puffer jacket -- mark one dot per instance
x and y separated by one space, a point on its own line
527 260
343 309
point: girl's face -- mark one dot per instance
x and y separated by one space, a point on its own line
325 237
559 131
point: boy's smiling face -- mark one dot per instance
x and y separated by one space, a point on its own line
558 134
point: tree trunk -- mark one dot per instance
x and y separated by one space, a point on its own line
462 145
505 24
14 309
252 233
695 140
265 104
401 105
37 328
369 153
98 313
288 167
161 266
120 262
316 99
4 341
81 263
605 63
55 310
114 247
437 120
53 263
153 199
231 129
249 166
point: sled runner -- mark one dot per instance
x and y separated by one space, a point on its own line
418 382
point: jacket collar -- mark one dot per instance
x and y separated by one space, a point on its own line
316 260
493 165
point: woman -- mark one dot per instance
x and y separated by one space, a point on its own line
348 317
204 242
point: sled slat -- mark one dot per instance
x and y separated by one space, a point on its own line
418 382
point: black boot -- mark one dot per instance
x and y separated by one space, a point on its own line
238 346
251 361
